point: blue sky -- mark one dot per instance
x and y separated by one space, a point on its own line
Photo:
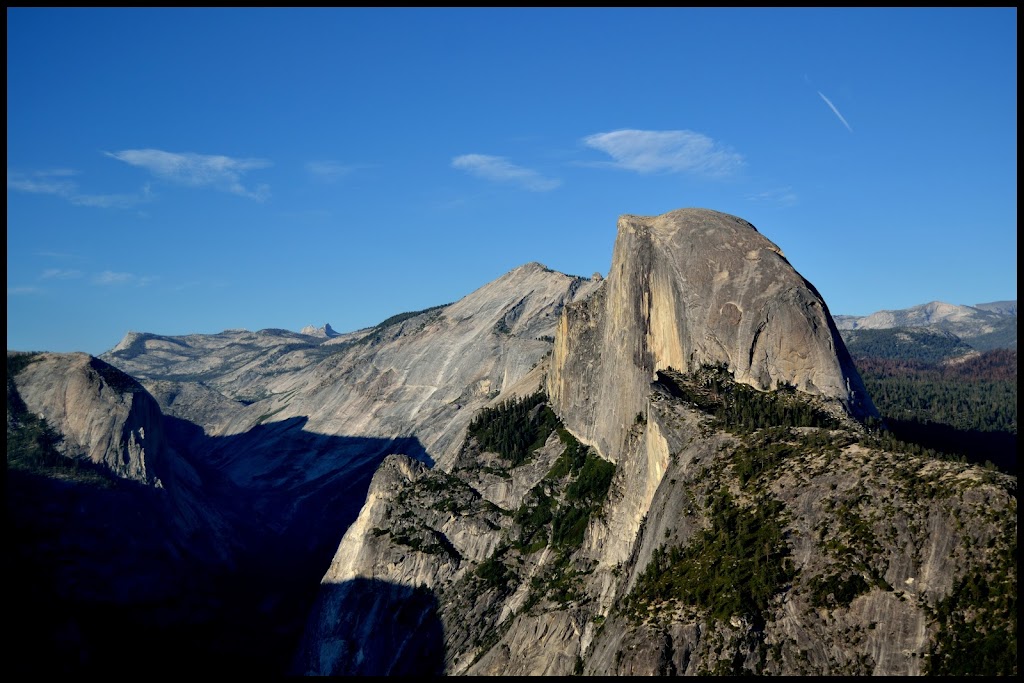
183 171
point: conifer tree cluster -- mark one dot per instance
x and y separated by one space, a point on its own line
515 427
741 408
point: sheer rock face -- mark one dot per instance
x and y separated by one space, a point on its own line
102 414
688 288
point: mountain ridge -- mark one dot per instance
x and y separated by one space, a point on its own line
984 326
518 482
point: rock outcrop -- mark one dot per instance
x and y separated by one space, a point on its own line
784 562
419 375
325 332
786 552
689 288
117 541
104 415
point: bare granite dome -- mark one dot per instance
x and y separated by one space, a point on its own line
689 288
105 416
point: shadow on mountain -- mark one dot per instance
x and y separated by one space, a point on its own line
288 492
215 572
369 627
80 556
974 446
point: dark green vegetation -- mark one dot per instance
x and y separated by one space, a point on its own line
916 344
978 624
588 478
979 393
837 590
734 568
554 515
762 452
555 512
514 428
967 409
433 491
739 408
737 563
559 508
18 361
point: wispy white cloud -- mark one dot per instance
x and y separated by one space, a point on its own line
63 255
499 169
835 111
665 151
783 196
57 182
60 274
197 170
41 182
329 171
109 277
182 286
23 290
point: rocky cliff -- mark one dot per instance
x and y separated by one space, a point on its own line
326 332
803 550
419 375
689 288
114 541
708 501
104 415
666 471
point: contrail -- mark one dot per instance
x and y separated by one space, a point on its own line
835 111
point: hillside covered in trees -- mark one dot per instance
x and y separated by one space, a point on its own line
963 406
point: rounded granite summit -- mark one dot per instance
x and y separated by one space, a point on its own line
690 288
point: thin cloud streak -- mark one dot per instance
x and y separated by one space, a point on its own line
665 151
109 277
60 274
23 290
835 111
328 171
58 255
55 183
197 170
499 169
782 196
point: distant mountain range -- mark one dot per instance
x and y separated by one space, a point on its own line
981 327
